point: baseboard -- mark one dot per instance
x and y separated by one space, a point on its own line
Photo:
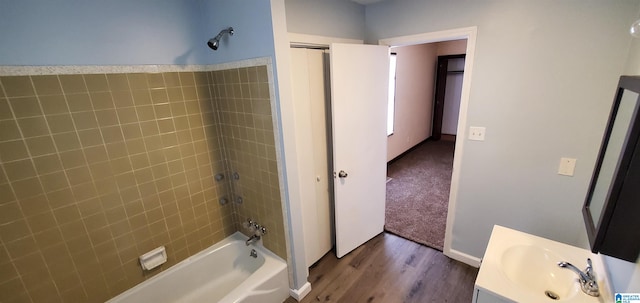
464 258
300 293
410 149
446 137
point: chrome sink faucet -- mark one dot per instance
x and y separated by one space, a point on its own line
587 278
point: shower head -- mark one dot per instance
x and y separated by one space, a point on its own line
213 43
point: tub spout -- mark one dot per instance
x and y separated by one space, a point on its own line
253 239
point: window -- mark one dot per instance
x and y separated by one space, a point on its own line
391 102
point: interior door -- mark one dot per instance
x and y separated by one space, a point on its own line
308 79
359 86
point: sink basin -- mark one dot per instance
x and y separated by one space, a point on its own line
534 270
519 267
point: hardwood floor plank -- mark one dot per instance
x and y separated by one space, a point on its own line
391 269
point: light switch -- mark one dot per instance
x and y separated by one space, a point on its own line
476 133
567 166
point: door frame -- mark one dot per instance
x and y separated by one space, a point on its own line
442 68
469 33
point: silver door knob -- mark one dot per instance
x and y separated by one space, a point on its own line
342 174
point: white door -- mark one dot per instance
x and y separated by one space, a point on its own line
307 76
359 85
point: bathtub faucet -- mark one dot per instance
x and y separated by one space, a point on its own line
253 239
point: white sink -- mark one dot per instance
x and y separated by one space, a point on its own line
524 268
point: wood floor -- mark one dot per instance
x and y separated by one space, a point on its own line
389 268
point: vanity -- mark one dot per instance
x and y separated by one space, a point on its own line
519 267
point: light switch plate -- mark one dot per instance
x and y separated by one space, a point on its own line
567 166
476 133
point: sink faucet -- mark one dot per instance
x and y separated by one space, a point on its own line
253 239
587 278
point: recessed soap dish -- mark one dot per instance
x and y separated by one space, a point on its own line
153 258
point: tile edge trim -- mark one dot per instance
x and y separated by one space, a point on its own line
28 70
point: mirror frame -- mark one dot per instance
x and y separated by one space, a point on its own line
617 232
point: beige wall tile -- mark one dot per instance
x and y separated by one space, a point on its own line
9 130
122 98
54 104
72 84
5 109
79 102
47 85
60 123
101 100
118 82
96 82
126 158
155 80
17 86
65 141
25 107
84 120
33 126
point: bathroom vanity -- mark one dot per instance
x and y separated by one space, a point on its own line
519 267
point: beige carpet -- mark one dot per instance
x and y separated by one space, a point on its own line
418 193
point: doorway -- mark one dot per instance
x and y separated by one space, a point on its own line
449 79
419 177
469 33
463 33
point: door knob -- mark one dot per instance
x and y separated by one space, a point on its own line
342 174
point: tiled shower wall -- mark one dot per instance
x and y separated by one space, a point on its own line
98 169
244 109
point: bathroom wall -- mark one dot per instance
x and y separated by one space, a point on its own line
328 18
98 169
543 80
251 21
64 32
243 106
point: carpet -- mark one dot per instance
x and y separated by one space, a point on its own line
418 193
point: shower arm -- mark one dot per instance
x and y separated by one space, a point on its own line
224 31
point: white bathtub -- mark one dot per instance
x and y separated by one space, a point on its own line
224 272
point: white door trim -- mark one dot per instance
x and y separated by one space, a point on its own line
322 41
469 33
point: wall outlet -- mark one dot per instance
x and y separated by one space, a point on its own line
567 166
476 133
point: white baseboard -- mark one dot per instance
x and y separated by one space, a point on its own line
464 258
300 293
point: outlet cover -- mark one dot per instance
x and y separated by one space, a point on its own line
476 133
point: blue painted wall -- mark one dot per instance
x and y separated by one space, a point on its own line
123 32
251 21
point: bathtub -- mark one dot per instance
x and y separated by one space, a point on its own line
224 272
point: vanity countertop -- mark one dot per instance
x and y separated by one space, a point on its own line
521 268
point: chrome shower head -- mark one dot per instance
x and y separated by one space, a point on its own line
213 43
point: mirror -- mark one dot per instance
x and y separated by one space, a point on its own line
613 200
613 153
